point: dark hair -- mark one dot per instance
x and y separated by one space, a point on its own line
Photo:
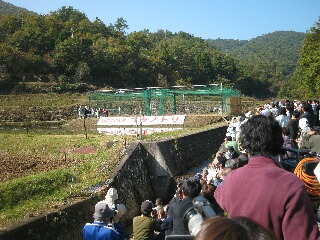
306 106
221 228
208 191
282 111
222 160
261 134
191 188
296 114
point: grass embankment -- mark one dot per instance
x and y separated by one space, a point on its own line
25 101
46 180
35 175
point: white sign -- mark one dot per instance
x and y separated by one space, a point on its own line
133 131
145 121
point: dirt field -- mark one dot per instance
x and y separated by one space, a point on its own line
25 163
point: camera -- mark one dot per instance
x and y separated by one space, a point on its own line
195 215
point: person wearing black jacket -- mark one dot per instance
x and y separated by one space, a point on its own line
308 114
190 189
294 127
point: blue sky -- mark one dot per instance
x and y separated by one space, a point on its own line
227 19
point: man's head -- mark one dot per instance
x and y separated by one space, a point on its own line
191 188
305 107
261 134
103 212
146 207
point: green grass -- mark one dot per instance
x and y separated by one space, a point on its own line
180 133
36 193
24 101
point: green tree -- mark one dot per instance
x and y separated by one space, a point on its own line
306 79
70 53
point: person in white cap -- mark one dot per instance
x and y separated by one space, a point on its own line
111 199
101 227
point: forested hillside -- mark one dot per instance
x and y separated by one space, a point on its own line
305 81
65 51
227 45
270 58
8 8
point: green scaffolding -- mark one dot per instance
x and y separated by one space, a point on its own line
141 99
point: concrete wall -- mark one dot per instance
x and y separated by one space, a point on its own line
147 171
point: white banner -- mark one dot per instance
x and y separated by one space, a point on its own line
145 121
133 131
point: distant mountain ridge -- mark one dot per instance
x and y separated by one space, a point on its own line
258 66
8 8
280 48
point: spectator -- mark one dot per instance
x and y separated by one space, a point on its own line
282 118
207 192
111 199
159 204
101 228
86 112
165 221
145 226
219 160
316 108
239 228
287 141
294 127
106 112
229 142
274 110
311 142
241 160
274 197
304 129
307 113
190 190
80 112
231 153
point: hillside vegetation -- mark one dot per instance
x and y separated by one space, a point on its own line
8 8
270 59
64 51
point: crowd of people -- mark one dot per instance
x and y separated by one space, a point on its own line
251 195
86 112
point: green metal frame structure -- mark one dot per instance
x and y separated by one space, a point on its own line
145 96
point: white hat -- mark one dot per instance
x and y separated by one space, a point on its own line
112 195
303 123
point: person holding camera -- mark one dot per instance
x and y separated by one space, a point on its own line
177 209
105 226
146 225
263 191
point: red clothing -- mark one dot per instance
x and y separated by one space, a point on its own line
270 196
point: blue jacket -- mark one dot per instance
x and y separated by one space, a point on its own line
101 231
